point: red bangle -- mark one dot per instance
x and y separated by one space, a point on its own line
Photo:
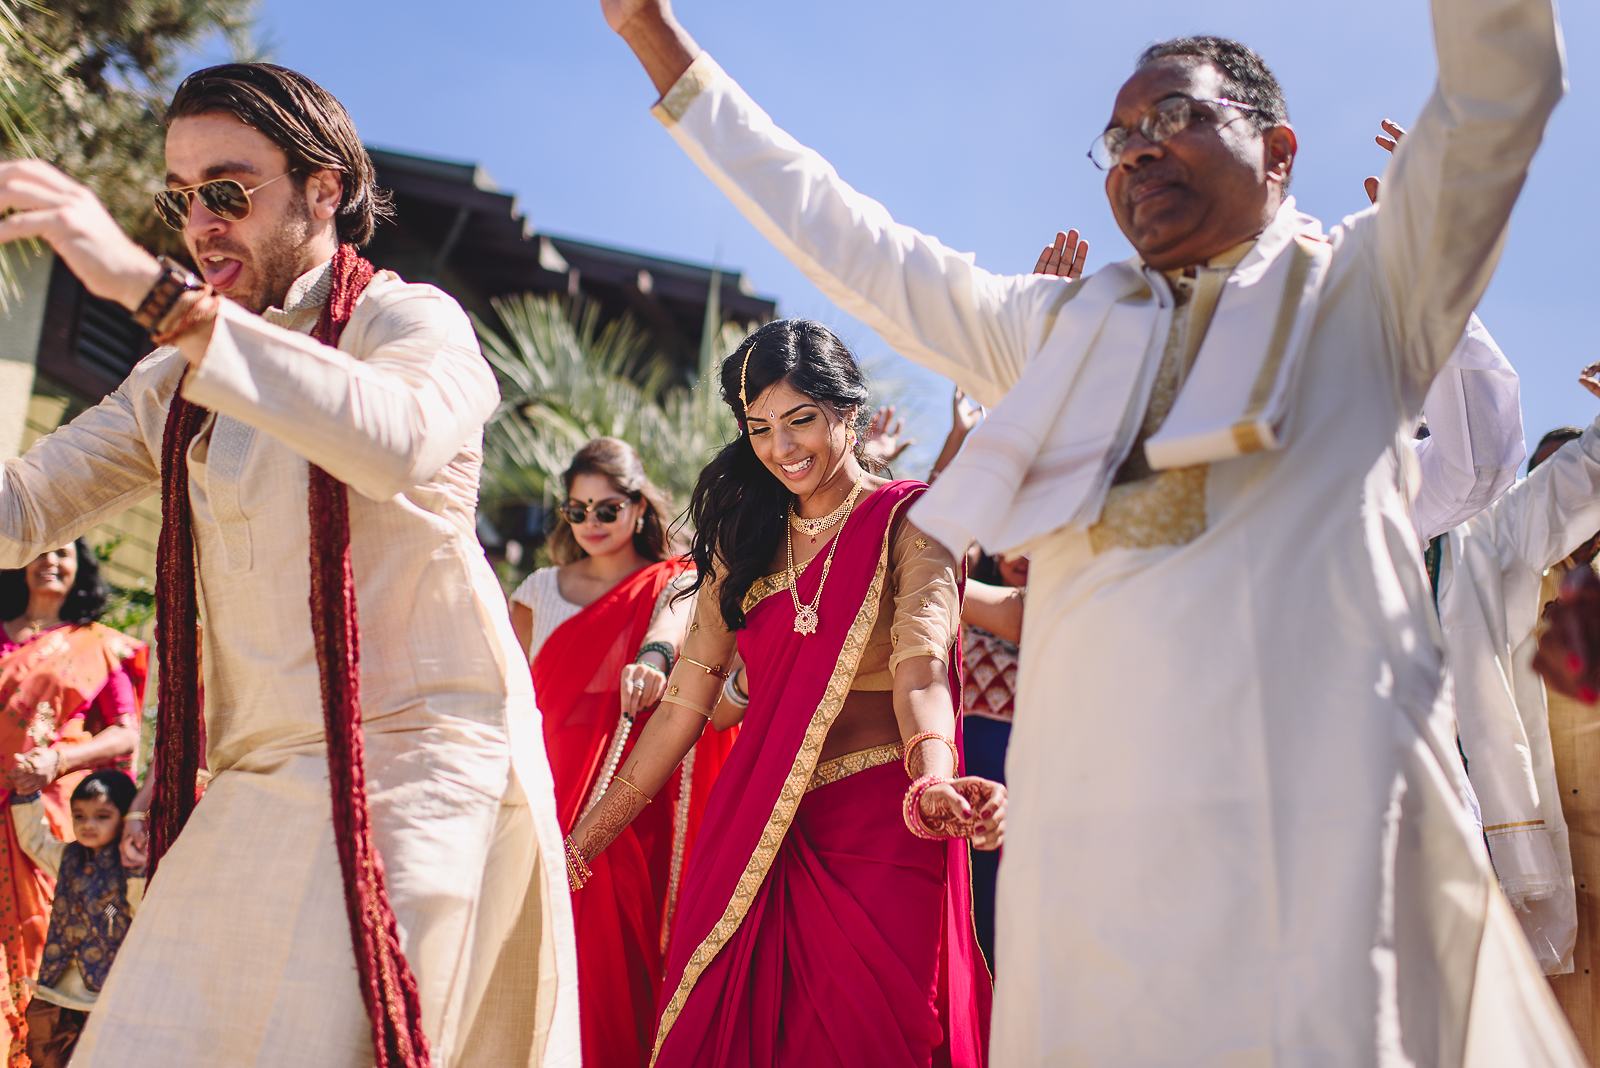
911 809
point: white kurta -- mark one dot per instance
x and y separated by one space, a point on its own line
1490 578
1233 838
242 954
1474 445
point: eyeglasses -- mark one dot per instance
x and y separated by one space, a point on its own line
222 197
576 512
1166 120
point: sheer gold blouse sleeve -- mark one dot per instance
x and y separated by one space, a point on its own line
927 604
707 651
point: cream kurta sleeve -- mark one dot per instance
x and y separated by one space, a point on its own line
1474 444
35 835
382 423
90 469
929 302
1454 179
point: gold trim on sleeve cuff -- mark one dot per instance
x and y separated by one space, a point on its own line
690 84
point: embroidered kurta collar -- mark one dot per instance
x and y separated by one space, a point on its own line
307 294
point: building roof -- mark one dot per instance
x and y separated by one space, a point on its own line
455 227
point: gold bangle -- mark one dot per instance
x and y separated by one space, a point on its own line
635 789
136 815
719 672
928 736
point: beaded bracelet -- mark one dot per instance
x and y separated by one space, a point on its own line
164 294
911 809
664 648
917 739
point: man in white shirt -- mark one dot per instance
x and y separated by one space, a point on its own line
1233 835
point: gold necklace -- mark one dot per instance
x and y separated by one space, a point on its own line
813 527
806 620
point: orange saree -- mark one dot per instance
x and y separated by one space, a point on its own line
57 687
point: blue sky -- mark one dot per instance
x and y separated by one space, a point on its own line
969 121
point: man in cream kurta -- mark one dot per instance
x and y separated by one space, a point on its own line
1232 837
242 951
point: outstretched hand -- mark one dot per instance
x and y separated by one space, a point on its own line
884 440
1064 257
38 201
1393 133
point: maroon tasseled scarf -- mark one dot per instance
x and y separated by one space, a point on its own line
387 984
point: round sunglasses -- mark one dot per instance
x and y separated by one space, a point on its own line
576 512
222 197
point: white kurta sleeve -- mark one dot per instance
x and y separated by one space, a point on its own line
381 423
88 470
1542 519
930 303
1474 444
1453 181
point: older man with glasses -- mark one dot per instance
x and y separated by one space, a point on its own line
1234 837
375 872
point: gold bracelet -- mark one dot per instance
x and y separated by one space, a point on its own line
929 736
136 815
635 789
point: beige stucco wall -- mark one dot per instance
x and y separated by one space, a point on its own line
21 315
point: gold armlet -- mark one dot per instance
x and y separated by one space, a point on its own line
719 672
672 698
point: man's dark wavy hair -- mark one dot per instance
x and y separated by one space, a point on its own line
305 121
1246 76
85 602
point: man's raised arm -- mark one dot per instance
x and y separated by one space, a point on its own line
927 301
1454 179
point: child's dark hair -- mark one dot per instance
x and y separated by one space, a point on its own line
107 785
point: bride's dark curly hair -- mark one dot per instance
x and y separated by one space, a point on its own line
739 508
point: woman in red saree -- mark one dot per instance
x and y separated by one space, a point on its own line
826 915
601 630
70 691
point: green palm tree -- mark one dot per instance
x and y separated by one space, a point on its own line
565 378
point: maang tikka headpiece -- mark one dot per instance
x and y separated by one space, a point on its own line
744 378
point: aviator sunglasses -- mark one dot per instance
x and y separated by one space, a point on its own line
222 197
576 512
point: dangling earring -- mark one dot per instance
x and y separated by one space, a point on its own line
638 525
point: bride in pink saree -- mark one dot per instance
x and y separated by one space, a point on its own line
826 915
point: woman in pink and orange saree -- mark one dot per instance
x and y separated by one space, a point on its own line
825 916
70 691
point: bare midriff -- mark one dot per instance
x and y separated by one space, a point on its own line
866 720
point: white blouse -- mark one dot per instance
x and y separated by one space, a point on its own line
541 593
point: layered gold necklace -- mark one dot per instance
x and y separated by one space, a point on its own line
806 619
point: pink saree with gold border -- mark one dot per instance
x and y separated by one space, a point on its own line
814 928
